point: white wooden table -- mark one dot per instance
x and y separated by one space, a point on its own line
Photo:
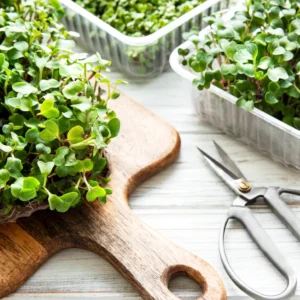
186 203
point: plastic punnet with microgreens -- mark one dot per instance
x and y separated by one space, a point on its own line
255 56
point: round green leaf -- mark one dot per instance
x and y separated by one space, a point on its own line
45 168
4 175
48 110
62 203
217 75
249 105
279 51
32 135
72 89
50 132
94 193
265 62
271 98
14 167
32 123
24 88
274 87
59 159
49 84
78 199
243 85
229 69
24 104
21 46
74 70
25 188
63 171
5 148
277 73
288 55
75 135
114 127
79 166
69 197
87 165
242 56
18 121
41 148
247 69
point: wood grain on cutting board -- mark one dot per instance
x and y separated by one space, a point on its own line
146 145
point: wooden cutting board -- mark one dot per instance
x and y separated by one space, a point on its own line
145 146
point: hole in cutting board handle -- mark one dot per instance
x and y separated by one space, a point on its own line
182 279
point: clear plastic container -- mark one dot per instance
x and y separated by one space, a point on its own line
136 56
273 137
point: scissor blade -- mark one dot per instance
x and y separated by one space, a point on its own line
221 170
229 162
226 175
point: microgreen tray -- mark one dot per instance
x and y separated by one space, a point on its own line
136 56
216 106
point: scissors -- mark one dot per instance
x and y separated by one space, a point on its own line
248 194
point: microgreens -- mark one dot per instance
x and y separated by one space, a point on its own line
54 115
255 56
138 17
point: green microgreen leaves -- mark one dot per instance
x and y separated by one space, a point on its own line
25 189
4 177
54 117
75 135
95 192
72 89
265 62
277 73
114 127
45 168
24 88
84 165
14 166
48 110
139 18
62 203
257 55
51 131
49 84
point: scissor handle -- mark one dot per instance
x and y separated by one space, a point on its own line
282 210
263 241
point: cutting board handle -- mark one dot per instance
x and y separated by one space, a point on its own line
144 257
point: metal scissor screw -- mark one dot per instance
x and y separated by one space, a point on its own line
245 187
